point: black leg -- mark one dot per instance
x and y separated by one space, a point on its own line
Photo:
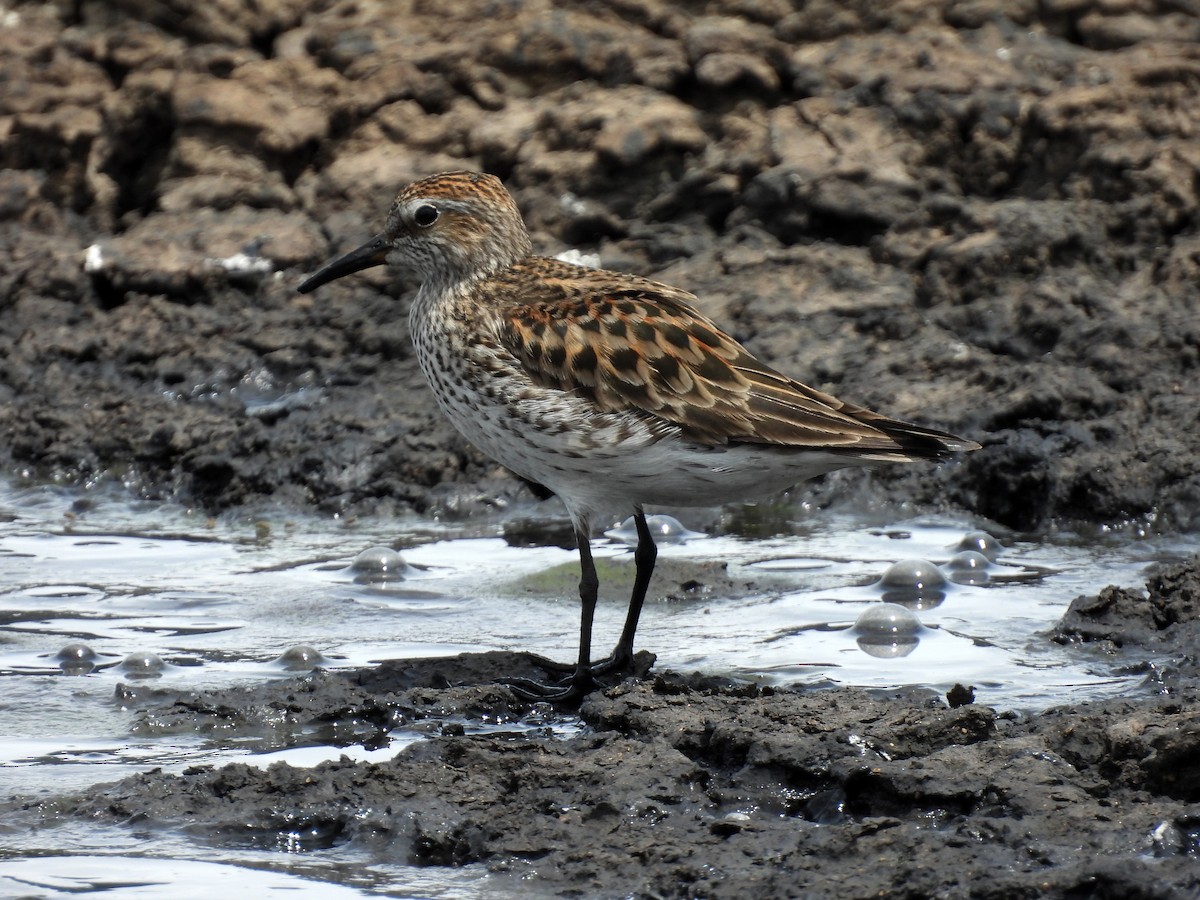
573 689
589 588
643 558
581 680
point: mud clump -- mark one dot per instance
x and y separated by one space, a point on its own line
1165 614
981 217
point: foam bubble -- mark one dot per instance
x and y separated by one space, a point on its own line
981 542
664 530
378 564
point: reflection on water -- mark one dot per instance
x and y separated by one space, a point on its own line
98 606
887 630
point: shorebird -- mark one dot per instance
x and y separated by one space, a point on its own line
608 389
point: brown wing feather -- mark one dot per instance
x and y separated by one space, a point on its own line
644 347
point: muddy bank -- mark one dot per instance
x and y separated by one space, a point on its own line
980 216
685 785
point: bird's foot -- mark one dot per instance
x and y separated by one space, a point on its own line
619 661
577 683
566 692
624 663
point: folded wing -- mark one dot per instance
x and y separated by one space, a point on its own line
645 349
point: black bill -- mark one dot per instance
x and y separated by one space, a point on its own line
372 253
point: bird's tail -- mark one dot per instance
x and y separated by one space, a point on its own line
915 442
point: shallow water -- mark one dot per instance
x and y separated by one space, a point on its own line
102 593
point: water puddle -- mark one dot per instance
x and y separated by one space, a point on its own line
131 867
109 597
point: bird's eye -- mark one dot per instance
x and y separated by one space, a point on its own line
426 215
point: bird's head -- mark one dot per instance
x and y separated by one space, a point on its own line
449 227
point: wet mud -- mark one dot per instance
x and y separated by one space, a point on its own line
689 785
980 216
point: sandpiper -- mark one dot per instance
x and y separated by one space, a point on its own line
608 389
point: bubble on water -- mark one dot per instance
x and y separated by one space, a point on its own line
378 564
76 653
913 574
969 567
143 664
915 583
664 530
888 649
301 658
76 659
887 630
981 542
887 620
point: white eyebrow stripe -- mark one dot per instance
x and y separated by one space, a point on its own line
441 204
